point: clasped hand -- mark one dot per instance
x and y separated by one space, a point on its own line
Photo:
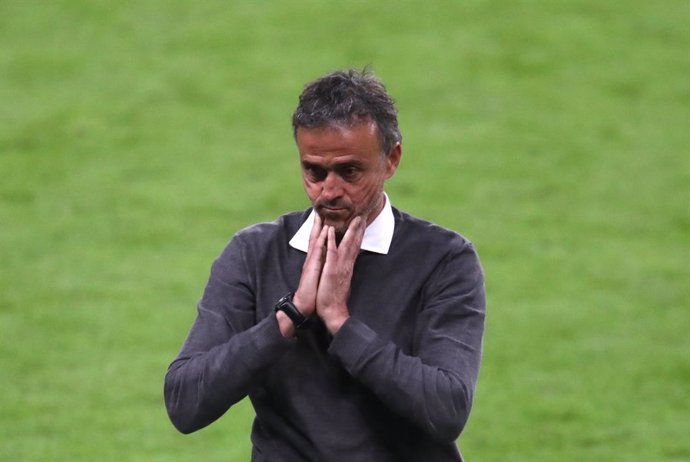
324 286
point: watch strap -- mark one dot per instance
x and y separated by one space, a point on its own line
286 306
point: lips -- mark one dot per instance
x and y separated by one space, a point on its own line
332 211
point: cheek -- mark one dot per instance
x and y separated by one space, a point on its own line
365 193
311 189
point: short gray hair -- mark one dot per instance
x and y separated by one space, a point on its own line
349 97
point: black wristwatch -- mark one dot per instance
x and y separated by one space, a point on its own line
286 306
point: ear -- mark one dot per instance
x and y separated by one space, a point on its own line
392 160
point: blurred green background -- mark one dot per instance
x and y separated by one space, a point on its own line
137 136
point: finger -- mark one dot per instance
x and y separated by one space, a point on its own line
315 229
320 246
332 247
331 250
305 297
361 230
315 256
352 229
352 241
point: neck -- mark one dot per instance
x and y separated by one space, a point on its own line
377 209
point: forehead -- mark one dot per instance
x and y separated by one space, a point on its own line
359 141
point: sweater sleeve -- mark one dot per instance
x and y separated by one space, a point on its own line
434 386
226 351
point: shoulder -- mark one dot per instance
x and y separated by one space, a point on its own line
447 257
413 232
284 226
260 238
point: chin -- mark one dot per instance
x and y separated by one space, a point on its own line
339 225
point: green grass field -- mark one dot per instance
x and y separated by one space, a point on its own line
137 136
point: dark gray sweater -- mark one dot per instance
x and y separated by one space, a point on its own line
394 384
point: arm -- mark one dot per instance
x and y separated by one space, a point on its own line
434 386
226 351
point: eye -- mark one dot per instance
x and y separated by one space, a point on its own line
314 172
349 173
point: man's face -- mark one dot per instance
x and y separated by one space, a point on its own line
344 171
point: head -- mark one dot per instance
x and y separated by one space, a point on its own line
347 98
348 138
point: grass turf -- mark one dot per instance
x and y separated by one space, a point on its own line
136 137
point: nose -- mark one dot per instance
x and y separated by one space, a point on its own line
331 187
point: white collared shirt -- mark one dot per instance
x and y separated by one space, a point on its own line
377 236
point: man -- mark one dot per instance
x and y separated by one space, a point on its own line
354 328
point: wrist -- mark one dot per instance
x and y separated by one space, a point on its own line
300 304
286 311
297 301
334 323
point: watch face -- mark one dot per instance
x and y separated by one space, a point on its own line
283 301
286 306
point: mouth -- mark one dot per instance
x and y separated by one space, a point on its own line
330 211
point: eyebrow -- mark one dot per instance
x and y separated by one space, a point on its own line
335 166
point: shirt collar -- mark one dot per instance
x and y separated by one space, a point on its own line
377 236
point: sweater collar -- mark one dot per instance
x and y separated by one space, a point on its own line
377 236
